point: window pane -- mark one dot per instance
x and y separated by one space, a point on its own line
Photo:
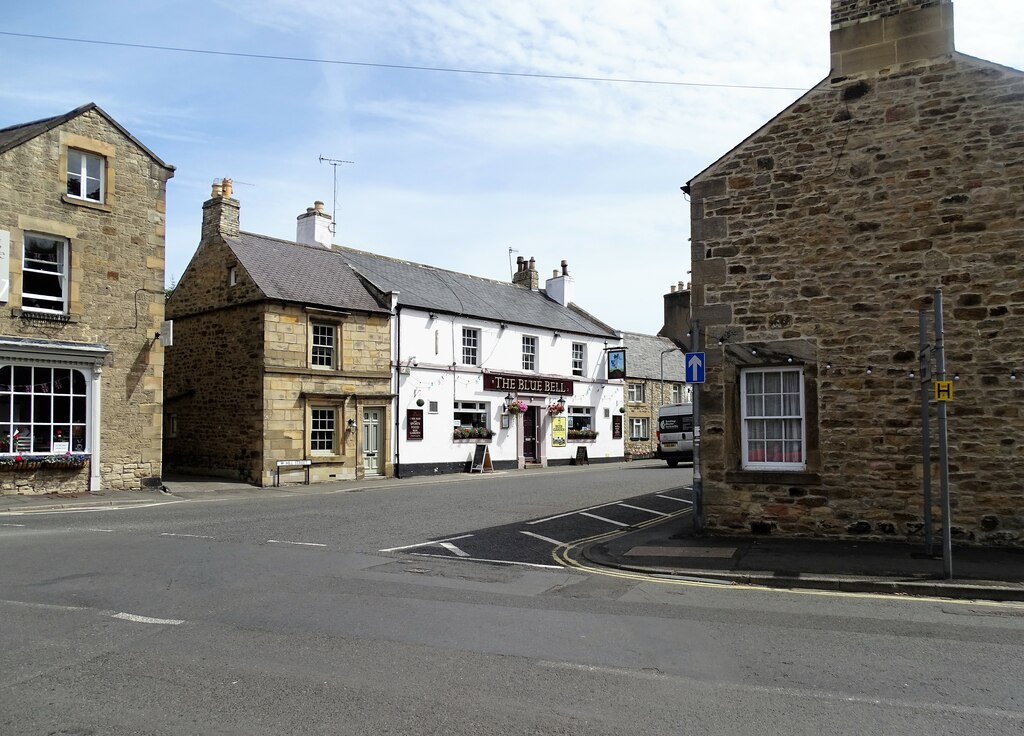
772 405
772 383
755 383
93 167
755 405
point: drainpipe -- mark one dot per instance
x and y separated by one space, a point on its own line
398 377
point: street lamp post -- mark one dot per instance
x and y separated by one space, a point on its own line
663 353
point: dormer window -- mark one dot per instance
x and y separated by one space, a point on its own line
86 176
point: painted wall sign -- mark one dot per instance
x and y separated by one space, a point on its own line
616 364
558 431
505 383
414 424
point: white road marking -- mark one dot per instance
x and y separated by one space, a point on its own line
190 536
147 619
452 548
100 530
639 508
601 518
302 544
570 513
673 498
544 539
425 544
48 606
12 525
499 562
44 512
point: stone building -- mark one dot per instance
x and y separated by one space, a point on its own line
82 206
815 243
281 357
654 378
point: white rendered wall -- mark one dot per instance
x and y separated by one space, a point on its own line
431 369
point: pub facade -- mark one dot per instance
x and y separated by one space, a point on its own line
522 371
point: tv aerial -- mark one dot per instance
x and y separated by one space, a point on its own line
335 163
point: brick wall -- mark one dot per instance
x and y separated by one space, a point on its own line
819 239
117 281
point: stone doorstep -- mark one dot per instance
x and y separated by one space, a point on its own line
682 552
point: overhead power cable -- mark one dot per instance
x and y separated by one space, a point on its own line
410 67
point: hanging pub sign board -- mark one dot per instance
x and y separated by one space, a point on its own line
481 460
558 431
616 364
414 424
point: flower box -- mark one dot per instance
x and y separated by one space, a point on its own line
22 463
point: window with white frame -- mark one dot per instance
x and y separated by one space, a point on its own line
432 407
232 275
44 268
86 175
322 430
677 393
579 358
323 345
529 353
470 346
581 417
636 392
640 428
772 405
43 410
472 414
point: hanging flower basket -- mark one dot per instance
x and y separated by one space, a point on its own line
556 409
517 407
21 463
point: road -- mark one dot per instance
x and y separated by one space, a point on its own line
283 616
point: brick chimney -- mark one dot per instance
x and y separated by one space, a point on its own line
561 286
526 275
220 212
314 227
870 35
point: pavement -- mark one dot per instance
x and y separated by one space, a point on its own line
672 548
669 548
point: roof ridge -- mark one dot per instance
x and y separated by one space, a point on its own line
343 248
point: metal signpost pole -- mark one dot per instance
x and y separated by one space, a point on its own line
926 434
698 481
940 371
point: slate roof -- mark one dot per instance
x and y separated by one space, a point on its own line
15 135
435 289
643 357
308 274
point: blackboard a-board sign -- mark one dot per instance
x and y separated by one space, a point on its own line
481 460
414 424
581 456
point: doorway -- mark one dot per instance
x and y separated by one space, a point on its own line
372 422
530 434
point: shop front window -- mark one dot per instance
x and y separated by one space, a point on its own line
43 410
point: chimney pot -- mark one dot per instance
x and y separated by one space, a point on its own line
672 289
565 267
318 206
227 186
216 190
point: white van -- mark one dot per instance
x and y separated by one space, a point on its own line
675 434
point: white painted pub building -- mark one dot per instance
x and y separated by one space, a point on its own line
520 370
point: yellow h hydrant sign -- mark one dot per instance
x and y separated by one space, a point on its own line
943 390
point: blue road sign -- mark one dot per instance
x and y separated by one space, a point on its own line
694 367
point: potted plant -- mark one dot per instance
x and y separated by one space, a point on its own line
556 408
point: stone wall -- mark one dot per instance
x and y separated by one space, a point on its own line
117 280
647 408
362 380
818 240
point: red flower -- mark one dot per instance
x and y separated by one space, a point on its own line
18 458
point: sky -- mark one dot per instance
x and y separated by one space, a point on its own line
450 169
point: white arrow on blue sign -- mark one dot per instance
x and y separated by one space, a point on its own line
694 366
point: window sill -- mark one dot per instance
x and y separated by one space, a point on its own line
774 477
67 199
29 314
